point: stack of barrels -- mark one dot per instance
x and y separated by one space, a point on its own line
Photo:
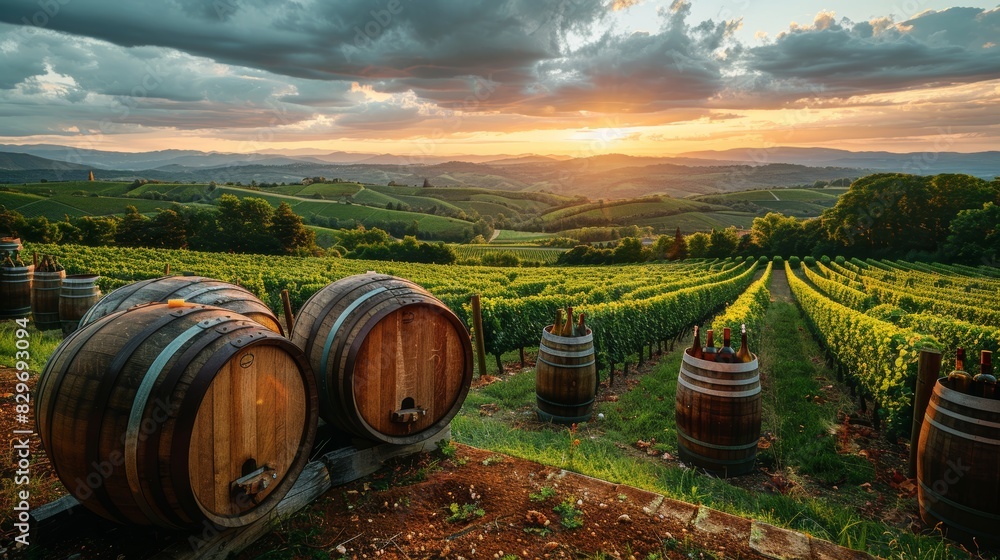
179 402
53 299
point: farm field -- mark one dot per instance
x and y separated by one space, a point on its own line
815 474
789 201
546 255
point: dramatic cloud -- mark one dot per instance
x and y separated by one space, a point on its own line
396 69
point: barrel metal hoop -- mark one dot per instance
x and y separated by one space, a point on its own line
695 441
139 403
547 417
751 458
714 393
559 339
963 435
565 354
325 358
588 364
994 518
717 381
964 418
966 400
196 293
564 405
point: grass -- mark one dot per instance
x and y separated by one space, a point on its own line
804 451
569 516
41 344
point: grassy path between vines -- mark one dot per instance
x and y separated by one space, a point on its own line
812 475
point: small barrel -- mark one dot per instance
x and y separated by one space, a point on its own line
15 291
958 467
45 288
565 378
392 363
192 289
9 246
718 415
79 292
174 416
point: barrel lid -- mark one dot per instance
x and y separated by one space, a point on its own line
547 335
972 401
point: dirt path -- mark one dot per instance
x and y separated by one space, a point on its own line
779 286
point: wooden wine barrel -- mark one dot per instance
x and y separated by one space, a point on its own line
79 292
172 416
9 246
45 288
718 415
192 289
15 291
958 466
392 363
565 378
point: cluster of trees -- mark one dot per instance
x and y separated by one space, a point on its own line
377 244
887 215
250 225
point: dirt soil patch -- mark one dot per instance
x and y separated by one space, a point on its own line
478 504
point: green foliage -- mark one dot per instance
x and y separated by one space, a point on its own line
447 448
569 516
544 493
975 236
407 250
500 258
748 309
793 262
464 512
880 356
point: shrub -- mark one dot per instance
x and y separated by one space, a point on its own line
793 262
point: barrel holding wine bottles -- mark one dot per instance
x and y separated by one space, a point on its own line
958 455
566 371
718 406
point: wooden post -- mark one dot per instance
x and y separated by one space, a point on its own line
477 327
166 270
34 258
928 370
287 303
522 357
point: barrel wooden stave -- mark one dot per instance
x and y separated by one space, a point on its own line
958 466
380 344
718 416
565 378
192 289
79 292
133 394
15 291
45 288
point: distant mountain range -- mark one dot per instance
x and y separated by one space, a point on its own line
606 176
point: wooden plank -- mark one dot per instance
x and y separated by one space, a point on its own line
352 463
333 469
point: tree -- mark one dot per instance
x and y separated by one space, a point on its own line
288 229
132 230
723 243
897 212
12 223
630 250
975 236
698 245
245 225
426 183
96 232
777 234
40 230
679 249
168 230
413 229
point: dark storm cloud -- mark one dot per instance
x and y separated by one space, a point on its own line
839 59
220 64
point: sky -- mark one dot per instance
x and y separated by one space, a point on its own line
445 77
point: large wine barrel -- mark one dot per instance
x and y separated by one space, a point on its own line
192 289
392 363
15 291
45 287
172 416
958 466
565 378
718 415
79 292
